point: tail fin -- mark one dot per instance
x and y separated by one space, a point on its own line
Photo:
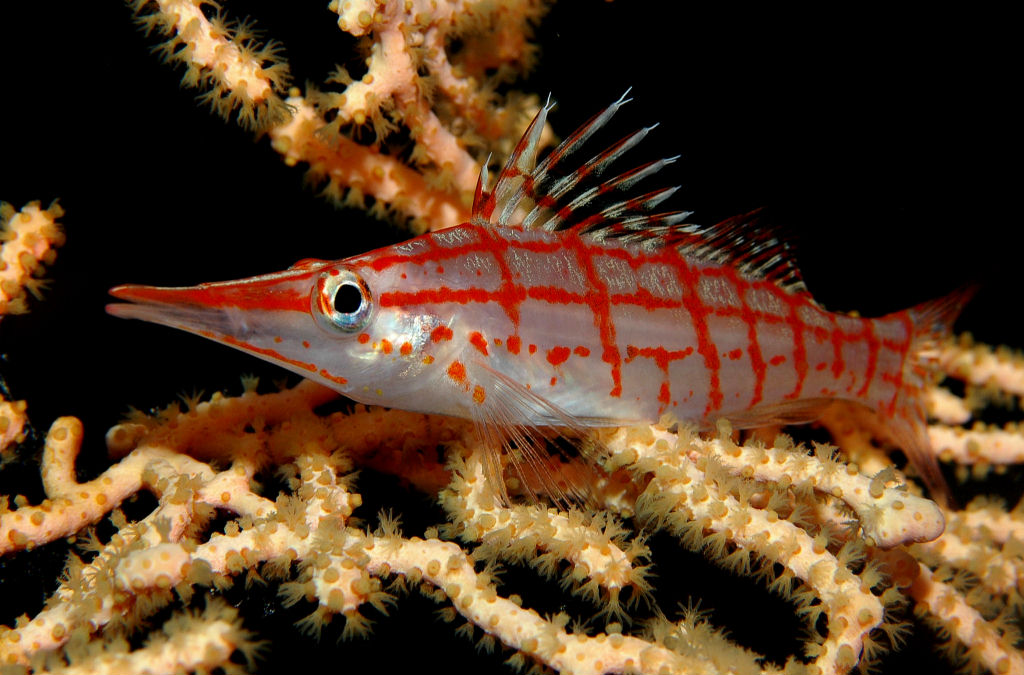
932 323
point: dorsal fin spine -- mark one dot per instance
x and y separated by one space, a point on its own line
595 166
754 250
481 192
521 172
522 165
576 139
743 242
620 183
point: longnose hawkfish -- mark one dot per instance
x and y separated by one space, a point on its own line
568 302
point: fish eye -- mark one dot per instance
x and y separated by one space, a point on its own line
348 298
341 301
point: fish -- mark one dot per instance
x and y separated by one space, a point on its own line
569 301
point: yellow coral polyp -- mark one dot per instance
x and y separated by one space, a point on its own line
27 241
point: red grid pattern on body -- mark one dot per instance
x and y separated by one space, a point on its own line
511 293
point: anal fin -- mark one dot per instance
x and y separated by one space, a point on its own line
797 411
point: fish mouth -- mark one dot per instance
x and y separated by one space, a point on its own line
227 309
173 307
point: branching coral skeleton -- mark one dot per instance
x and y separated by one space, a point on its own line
409 38
843 535
30 237
844 538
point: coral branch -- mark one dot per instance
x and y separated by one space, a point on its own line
364 170
12 424
410 59
223 59
28 238
984 643
690 491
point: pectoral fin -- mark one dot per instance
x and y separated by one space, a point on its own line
536 439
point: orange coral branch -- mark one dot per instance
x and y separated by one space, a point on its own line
29 238
408 36
842 536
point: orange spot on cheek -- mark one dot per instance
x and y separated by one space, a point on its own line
363 338
441 333
532 348
558 355
428 359
457 371
735 354
305 343
405 349
478 341
581 351
385 346
821 366
778 359
277 339
479 395
513 344
440 269
554 381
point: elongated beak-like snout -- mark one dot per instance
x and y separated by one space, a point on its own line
229 311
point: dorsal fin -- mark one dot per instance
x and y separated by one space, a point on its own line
542 195
756 250
488 205
533 195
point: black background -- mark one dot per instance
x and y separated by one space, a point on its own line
881 139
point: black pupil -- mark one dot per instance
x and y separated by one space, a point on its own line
347 299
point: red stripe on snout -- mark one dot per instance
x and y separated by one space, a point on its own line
266 294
